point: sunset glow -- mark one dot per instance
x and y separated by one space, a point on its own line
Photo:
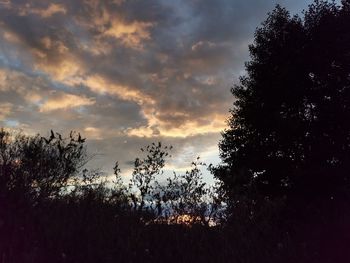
125 73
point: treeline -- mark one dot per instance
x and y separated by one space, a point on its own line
37 169
54 209
282 191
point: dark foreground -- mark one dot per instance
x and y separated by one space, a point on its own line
91 231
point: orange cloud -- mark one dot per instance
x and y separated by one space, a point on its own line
5 110
99 84
157 127
59 60
95 133
131 34
51 10
65 101
68 71
11 37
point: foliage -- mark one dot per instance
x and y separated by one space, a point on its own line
181 196
145 171
79 216
187 194
289 134
285 156
34 168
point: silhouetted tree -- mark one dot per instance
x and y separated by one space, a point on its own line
187 194
145 171
35 168
182 196
289 130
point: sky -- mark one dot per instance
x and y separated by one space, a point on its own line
126 73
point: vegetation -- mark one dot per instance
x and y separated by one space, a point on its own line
287 147
52 208
289 129
282 193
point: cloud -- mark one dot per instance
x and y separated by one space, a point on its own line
51 10
131 34
46 12
126 72
129 93
5 110
65 101
200 45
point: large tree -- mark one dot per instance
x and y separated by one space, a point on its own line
289 129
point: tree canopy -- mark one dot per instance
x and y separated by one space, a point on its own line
289 129
34 168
